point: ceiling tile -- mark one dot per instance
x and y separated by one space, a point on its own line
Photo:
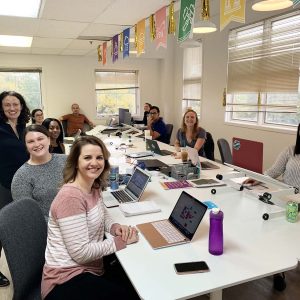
60 29
102 30
83 45
18 26
74 10
50 43
14 50
74 52
51 51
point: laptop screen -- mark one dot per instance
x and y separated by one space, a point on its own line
137 183
152 146
187 214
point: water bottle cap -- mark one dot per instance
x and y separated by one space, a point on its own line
215 210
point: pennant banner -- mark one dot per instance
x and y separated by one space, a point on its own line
231 10
126 42
296 2
104 53
99 51
141 37
161 29
115 48
186 19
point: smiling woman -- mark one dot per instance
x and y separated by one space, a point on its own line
39 178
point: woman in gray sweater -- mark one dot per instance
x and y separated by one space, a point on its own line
40 177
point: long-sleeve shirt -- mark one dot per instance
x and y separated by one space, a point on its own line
75 244
288 165
39 182
13 153
75 122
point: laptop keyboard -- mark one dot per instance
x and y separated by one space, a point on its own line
121 196
170 234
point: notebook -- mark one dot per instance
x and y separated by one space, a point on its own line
131 193
181 226
153 164
206 182
153 146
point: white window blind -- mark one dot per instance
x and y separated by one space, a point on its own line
265 56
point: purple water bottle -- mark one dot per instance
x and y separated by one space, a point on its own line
215 246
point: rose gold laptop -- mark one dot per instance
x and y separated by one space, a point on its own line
181 226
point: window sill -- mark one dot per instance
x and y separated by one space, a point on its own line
270 128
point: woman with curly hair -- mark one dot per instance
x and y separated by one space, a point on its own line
14 114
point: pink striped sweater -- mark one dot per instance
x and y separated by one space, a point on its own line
75 244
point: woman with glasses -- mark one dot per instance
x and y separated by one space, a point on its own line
37 116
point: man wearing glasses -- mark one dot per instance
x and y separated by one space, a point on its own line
156 125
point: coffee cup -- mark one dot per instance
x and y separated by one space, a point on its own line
184 155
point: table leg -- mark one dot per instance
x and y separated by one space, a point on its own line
216 295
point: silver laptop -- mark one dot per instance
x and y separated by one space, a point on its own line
181 226
153 146
133 190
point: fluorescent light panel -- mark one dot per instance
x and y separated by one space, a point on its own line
20 8
15 41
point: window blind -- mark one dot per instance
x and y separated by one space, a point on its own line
265 56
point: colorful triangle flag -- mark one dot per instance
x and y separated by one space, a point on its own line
161 28
231 10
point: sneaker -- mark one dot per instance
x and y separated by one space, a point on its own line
279 283
3 280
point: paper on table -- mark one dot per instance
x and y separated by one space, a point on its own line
139 208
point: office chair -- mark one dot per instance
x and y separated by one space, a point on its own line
225 151
209 147
169 132
23 234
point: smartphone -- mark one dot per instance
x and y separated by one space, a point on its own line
191 267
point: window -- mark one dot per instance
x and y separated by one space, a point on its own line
116 89
27 83
192 73
263 72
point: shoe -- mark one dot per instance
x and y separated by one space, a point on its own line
3 280
279 283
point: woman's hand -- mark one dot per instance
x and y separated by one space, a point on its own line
129 234
250 181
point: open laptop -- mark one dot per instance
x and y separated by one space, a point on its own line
153 164
131 193
152 145
181 226
140 154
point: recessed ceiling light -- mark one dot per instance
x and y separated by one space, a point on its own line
20 8
15 41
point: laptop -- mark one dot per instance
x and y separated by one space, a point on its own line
247 154
139 154
152 145
181 226
153 164
132 192
194 157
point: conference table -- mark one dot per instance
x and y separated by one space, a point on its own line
253 248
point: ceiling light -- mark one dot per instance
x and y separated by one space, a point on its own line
270 5
204 25
15 41
20 8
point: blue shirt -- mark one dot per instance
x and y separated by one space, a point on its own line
181 137
160 127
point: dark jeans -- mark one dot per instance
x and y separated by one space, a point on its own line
114 284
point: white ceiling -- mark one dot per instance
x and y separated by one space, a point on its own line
63 25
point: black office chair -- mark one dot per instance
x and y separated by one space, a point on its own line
225 151
209 147
169 132
23 235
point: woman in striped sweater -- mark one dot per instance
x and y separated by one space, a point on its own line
77 221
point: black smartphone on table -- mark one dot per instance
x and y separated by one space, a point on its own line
191 267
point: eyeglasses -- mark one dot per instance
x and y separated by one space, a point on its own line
152 113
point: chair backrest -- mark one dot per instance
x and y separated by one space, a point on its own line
169 132
23 235
64 124
225 151
209 147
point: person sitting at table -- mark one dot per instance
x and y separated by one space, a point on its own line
75 121
77 221
56 135
38 178
147 107
156 125
37 116
190 134
286 165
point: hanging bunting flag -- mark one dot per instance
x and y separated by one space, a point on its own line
152 27
141 37
115 48
172 24
135 37
161 32
99 53
296 2
186 19
121 42
231 10
126 42
104 52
